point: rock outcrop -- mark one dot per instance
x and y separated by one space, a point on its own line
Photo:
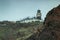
51 24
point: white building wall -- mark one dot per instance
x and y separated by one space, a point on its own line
26 21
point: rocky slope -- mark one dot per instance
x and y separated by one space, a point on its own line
51 30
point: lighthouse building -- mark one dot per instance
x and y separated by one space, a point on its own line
36 18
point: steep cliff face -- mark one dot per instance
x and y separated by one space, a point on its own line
52 26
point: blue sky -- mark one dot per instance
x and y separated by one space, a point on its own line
14 10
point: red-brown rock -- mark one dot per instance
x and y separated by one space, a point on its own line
51 24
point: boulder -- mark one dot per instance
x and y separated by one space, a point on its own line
51 30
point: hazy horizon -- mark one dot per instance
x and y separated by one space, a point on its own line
14 10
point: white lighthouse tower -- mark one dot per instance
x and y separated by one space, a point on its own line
38 15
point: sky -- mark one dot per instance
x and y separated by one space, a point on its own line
13 10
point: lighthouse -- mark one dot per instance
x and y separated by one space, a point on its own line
38 15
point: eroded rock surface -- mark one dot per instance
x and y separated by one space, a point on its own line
51 24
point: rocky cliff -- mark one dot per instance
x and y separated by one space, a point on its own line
51 24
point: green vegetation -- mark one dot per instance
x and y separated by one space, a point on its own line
17 31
